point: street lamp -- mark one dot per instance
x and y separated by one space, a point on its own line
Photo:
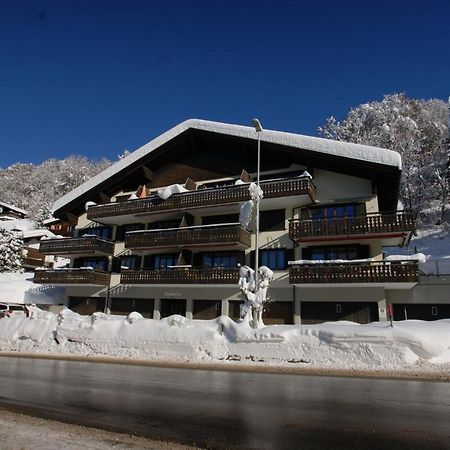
258 128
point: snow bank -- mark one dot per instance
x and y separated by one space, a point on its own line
408 345
19 288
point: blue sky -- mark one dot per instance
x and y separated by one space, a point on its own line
98 77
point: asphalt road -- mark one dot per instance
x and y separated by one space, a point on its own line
219 409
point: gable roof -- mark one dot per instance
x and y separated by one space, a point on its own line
320 146
14 208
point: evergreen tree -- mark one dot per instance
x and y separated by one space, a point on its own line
11 244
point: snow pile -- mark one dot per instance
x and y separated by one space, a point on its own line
408 345
19 288
168 191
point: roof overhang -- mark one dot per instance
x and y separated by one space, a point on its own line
381 165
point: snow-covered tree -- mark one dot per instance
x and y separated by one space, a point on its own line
417 129
11 244
35 187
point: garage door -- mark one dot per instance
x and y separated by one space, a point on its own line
319 312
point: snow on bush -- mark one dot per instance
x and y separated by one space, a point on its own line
11 244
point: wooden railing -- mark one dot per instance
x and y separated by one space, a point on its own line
360 225
180 276
373 272
203 197
86 244
71 276
216 234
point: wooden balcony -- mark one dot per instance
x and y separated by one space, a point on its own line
202 198
367 272
72 276
208 235
89 245
400 224
182 275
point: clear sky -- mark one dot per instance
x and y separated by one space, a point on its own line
97 77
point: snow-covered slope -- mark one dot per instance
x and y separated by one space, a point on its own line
18 287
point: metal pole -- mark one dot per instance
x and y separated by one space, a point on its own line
257 215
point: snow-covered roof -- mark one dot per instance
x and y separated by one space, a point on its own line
28 234
14 208
313 144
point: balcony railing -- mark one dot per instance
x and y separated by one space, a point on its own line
203 197
370 272
180 276
71 276
190 236
85 244
400 222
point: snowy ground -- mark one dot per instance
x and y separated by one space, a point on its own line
414 346
19 432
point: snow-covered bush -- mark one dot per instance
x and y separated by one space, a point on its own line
11 244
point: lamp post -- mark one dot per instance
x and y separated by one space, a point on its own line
258 128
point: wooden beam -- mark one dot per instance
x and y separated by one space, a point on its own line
104 198
245 177
148 174
190 184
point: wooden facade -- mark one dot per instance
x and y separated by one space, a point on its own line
202 197
227 234
359 226
72 276
373 272
182 275
85 244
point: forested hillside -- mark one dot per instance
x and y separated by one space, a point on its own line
418 130
35 187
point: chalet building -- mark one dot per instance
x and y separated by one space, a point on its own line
159 231
59 227
11 212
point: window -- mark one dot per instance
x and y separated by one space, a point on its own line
131 262
120 233
273 220
434 311
162 261
101 232
347 252
223 218
222 260
96 263
333 212
338 308
273 258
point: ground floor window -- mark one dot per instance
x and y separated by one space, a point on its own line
207 309
124 306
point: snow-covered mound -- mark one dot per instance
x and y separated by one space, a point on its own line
16 287
408 345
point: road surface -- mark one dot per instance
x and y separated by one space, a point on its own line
219 409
